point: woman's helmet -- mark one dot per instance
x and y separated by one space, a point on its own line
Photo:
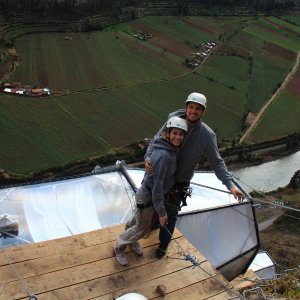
176 122
197 98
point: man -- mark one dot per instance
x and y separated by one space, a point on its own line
199 140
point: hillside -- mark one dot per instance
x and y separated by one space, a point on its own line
281 241
111 89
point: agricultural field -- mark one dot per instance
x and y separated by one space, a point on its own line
110 89
37 134
265 76
232 71
283 114
293 19
98 60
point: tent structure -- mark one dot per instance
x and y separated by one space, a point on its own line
263 265
224 230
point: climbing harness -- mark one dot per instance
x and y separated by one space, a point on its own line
176 198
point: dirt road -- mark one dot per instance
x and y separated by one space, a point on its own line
269 221
267 104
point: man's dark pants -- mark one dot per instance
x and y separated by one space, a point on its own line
165 235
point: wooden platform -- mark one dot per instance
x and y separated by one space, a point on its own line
84 267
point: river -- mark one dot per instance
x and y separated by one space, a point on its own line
269 176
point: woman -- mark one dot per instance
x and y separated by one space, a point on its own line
150 196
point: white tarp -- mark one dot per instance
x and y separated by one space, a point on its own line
220 234
214 222
263 266
63 208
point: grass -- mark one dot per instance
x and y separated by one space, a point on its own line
281 22
232 71
103 60
41 135
249 42
278 121
273 34
294 19
176 29
281 241
265 80
113 90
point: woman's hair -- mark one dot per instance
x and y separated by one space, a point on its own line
165 133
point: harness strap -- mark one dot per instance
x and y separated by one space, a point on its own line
146 205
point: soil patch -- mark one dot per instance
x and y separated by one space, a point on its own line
250 118
164 42
168 44
279 51
196 24
293 86
261 27
227 49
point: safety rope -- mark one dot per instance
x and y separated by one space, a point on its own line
127 192
4 196
195 262
31 295
229 193
250 198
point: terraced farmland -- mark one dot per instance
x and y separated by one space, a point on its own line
112 89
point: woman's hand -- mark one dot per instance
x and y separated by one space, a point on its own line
163 221
148 167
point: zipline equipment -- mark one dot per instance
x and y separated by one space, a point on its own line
195 262
262 201
248 197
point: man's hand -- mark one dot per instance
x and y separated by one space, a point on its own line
163 221
148 167
237 194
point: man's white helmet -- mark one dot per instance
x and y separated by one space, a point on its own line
197 98
176 122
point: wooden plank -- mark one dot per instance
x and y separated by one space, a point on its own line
137 277
84 267
86 272
57 246
174 283
246 280
68 259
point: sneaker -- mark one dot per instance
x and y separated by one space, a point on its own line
120 256
137 248
161 251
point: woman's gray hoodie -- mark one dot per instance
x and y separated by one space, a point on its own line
154 186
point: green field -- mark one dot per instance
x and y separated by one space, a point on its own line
111 89
293 19
105 59
231 71
283 114
269 33
266 77
278 119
